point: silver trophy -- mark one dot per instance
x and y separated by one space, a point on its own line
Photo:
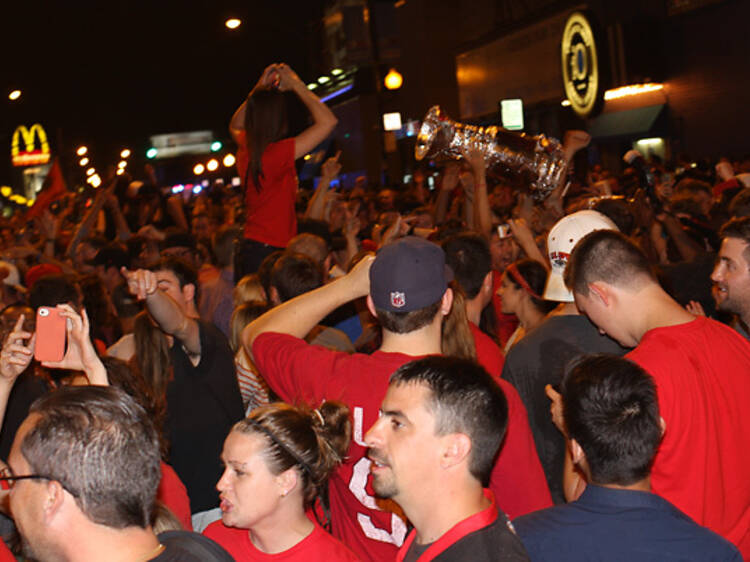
539 160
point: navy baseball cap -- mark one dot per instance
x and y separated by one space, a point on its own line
409 274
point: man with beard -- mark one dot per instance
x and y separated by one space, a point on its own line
731 275
442 422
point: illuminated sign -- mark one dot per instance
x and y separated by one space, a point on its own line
31 155
511 113
580 65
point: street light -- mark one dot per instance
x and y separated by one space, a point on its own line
122 164
233 23
81 151
83 161
14 95
151 153
216 146
120 171
125 153
212 165
198 169
393 79
90 171
229 160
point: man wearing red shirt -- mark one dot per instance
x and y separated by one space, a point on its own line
702 374
407 289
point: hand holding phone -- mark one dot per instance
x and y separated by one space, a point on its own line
50 334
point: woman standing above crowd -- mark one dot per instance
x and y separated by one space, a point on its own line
265 161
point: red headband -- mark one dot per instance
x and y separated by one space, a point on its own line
518 278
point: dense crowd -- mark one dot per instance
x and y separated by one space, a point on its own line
449 369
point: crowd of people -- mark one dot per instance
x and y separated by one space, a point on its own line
448 369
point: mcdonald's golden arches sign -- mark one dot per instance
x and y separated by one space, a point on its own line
35 146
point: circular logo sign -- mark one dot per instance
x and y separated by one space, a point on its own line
580 67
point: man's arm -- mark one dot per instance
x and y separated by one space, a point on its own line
165 312
301 314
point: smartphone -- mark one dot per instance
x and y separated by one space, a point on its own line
503 231
50 334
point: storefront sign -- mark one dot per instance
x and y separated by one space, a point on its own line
580 65
31 155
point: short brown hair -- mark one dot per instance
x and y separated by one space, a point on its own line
406 322
606 255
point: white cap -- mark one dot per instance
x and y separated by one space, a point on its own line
560 243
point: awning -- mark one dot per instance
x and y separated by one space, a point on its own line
631 122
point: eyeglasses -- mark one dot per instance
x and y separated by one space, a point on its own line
11 479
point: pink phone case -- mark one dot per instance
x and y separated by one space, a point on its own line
50 335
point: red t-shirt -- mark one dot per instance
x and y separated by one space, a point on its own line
702 374
506 323
270 213
172 493
318 546
301 372
489 354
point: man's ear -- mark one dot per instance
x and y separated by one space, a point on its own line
487 284
662 425
576 452
273 296
371 306
53 500
447 303
601 292
456 448
188 292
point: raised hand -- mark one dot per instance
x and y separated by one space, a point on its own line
16 355
331 167
80 354
141 282
287 77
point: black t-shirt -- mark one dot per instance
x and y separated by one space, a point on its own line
203 402
184 546
539 359
496 542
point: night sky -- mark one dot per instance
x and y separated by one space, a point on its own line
110 74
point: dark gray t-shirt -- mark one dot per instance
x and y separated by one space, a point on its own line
539 359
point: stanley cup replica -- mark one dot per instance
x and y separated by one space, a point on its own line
539 160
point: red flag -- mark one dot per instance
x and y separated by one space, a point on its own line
52 189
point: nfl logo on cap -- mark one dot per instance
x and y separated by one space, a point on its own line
398 300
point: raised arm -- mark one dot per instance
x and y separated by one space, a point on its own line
15 357
298 316
237 122
165 311
323 118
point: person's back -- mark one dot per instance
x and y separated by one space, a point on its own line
619 525
613 430
702 371
539 359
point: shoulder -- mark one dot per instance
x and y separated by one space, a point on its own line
320 545
124 348
497 541
186 546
